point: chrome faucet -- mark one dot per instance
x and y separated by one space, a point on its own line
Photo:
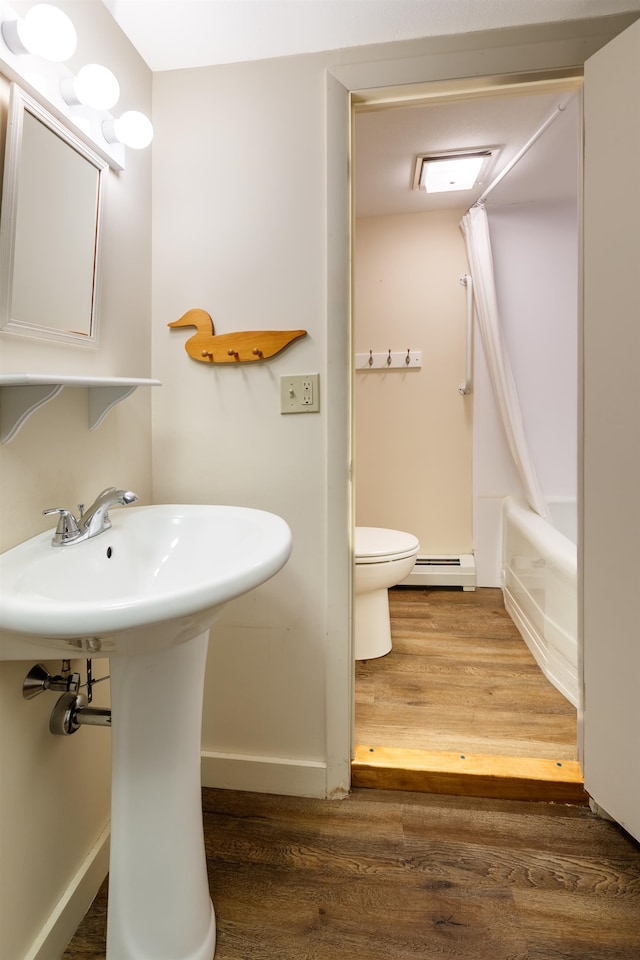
94 521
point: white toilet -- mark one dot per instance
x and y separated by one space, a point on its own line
383 558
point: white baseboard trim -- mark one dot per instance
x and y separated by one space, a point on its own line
70 909
294 778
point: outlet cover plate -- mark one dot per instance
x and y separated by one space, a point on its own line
300 393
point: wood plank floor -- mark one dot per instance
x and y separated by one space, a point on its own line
400 876
460 682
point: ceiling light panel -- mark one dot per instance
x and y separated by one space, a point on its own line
440 174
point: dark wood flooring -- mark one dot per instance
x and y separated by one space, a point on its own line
399 876
460 678
390 875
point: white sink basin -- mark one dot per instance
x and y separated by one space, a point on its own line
145 593
156 578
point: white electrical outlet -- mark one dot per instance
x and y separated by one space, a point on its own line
300 394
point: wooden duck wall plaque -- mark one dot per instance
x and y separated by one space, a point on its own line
243 347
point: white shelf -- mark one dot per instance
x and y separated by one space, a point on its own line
21 394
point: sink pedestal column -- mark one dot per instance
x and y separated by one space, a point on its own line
159 904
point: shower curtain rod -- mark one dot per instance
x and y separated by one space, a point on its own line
520 154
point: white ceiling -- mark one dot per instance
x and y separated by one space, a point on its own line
387 143
172 34
175 34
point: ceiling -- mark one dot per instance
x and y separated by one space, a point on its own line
388 141
175 34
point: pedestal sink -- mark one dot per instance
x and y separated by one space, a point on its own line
144 593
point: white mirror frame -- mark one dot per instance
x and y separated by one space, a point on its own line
21 102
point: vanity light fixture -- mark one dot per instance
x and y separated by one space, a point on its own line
32 57
95 86
133 129
45 31
448 172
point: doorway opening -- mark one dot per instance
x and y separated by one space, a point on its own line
433 462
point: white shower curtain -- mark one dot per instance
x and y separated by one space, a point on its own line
475 227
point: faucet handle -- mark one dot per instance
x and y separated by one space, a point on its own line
67 527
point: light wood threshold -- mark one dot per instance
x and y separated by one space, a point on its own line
470 775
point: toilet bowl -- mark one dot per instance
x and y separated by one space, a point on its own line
383 558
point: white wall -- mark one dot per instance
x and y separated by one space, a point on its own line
243 228
239 231
413 430
610 522
54 791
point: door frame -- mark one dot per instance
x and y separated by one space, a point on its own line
464 61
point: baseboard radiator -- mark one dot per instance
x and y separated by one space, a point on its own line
443 571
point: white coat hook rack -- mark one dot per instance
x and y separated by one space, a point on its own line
389 360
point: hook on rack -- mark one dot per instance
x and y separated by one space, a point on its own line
389 360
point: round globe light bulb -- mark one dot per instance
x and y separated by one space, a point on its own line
96 87
48 32
133 129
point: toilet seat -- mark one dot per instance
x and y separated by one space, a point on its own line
379 545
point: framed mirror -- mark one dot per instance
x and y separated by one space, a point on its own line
49 227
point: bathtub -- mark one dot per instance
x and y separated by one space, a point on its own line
539 582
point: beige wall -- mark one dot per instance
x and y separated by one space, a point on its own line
54 791
413 430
